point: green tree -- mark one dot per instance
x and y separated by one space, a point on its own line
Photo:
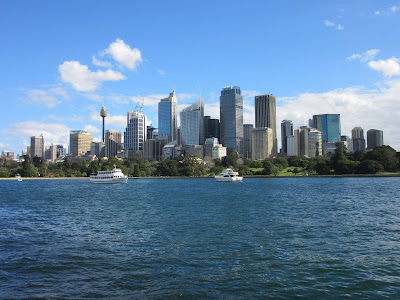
386 156
230 161
369 166
322 168
4 172
167 167
283 162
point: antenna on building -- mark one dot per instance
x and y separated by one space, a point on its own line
140 105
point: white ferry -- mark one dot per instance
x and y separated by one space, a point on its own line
113 176
228 175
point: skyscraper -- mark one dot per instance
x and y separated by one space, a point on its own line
357 135
329 125
231 118
167 117
374 138
112 143
37 146
135 132
265 111
81 143
71 134
192 128
262 143
211 128
247 129
286 131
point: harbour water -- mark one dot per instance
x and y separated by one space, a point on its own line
315 238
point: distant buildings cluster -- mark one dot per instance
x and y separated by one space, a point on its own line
201 136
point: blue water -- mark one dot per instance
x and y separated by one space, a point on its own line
312 238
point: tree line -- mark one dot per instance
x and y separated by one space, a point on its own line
381 159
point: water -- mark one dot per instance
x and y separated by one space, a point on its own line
196 238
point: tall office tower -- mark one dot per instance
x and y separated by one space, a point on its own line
37 146
265 110
357 135
247 129
314 142
192 128
211 128
329 125
213 149
286 131
290 146
153 149
97 148
135 132
231 118
71 134
81 144
262 143
103 114
167 117
152 132
112 143
53 152
374 138
61 151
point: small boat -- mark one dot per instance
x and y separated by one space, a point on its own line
18 177
228 175
113 176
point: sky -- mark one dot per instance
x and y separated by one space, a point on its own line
61 60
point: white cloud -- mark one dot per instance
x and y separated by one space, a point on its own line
124 55
333 24
52 132
377 13
92 129
250 94
212 110
161 72
110 120
101 63
48 98
150 100
365 56
394 9
390 67
74 118
2 145
82 79
357 106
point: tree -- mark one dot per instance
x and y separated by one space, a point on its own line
386 156
167 167
4 172
369 166
267 165
283 162
230 161
322 168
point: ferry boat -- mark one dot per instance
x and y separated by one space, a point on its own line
113 176
228 175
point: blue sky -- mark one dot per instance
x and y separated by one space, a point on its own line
59 60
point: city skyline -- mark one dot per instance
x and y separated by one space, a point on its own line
338 61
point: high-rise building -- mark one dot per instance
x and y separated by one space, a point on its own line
135 132
314 142
81 144
374 138
265 112
167 117
231 118
53 153
192 128
152 132
97 148
213 149
71 134
37 146
61 151
247 129
307 142
357 135
262 143
211 128
112 143
329 125
286 131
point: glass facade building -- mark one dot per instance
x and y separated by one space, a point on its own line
329 125
286 132
231 118
167 117
192 128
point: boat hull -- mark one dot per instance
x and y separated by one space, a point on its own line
228 179
109 180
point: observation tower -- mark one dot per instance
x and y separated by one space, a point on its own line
103 114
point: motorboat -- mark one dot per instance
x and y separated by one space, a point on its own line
18 177
228 175
113 176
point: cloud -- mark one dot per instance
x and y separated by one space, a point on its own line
101 63
390 67
110 120
92 129
74 118
84 80
52 132
149 100
333 24
48 98
377 13
365 56
2 145
124 55
161 72
357 106
394 9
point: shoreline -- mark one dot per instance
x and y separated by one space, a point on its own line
185 177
